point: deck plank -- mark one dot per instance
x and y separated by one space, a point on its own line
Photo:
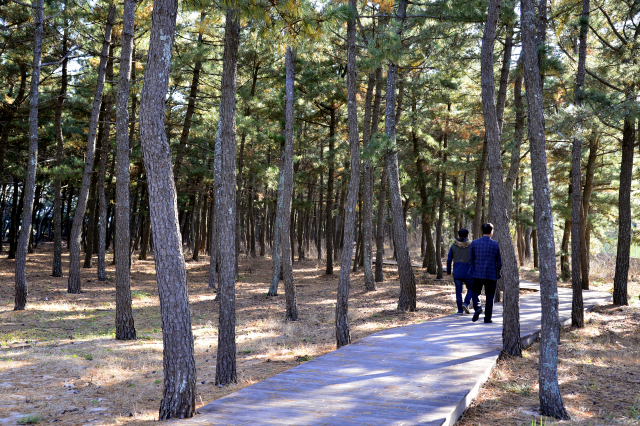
425 373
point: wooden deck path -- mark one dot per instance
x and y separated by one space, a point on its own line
426 373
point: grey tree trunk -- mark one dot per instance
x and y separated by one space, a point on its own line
287 190
511 343
584 216
550 398
178 400
277 231
382 202
443 188
226 204
329 231
407 299
367 189
191 104
215 241
481 176
57 203
577 305
74 285
125 327
343 337
102 197
624 213
30 182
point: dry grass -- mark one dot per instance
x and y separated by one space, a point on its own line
59 360
599 369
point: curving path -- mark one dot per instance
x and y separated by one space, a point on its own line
425 374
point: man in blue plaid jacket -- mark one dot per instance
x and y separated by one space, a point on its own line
484 266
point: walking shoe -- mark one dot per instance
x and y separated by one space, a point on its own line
476 315
488 321
459 313
465 308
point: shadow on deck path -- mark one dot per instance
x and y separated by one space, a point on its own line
426 373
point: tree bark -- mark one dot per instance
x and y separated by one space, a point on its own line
343 337
577 306
511 343
550 398
226 205
178 399
287 191
329 231
74 285
481 176
367 187
102 197
277 231
125 327
57 203
443 189
30 182
407 299
624 214
586 202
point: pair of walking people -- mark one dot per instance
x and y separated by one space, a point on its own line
476 264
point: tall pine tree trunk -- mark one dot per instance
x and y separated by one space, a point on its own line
511 324
577 306
287 191
550 398
179 395
367 188
343 337
30 182
74 284
624 213
125 327
329 231
407 299
102 196
57 203
226 205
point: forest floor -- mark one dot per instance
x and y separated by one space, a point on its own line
598 369
59 361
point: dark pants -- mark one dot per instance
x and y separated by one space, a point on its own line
468 282
489 292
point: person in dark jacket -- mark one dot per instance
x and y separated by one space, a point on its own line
459 255
485 265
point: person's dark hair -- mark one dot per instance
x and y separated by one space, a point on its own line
487 228
463 233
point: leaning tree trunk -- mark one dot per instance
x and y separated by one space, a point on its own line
179 395
125 327
577 305
550 398
287 191
74 284
343 337
624 214
191 104
329 231
367 189
30 182
226 204
407 299
511 343
102 197
57 203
